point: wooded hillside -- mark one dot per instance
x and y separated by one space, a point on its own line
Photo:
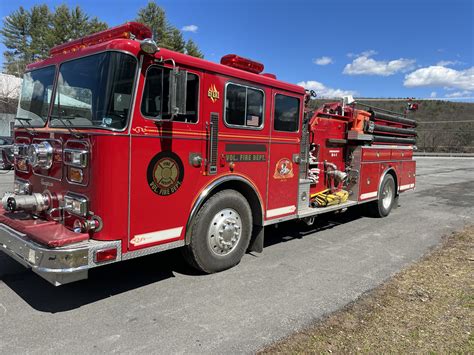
443 126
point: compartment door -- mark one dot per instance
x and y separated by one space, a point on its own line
283 173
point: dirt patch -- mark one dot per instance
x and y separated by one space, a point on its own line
428 307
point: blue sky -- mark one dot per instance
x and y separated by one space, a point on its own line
371 48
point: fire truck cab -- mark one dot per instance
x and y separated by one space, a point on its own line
123 149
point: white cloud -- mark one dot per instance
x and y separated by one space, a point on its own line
433 94
323 60
363 64
367 53
190 28
441 76
445 63
323 91
458 94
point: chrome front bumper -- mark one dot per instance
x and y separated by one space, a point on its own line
57 265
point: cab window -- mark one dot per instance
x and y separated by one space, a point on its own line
287 112
155 101
243 106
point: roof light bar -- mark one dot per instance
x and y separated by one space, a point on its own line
233 60
132 30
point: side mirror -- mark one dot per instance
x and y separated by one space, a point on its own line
178 90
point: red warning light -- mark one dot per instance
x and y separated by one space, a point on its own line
127 30
233 60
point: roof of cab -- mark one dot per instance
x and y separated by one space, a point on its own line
133 47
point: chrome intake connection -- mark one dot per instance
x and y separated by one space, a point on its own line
40 155
29 203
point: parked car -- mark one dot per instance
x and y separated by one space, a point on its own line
6 147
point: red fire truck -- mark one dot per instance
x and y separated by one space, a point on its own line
123 149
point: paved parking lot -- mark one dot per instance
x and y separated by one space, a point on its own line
158 304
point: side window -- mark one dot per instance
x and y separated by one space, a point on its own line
287 112
243 106
155 100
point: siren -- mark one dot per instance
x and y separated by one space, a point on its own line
129 30
234 61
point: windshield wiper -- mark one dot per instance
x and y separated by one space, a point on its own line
27 120
63 120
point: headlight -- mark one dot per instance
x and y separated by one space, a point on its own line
74 157
75 204
20 155
21 187
20 150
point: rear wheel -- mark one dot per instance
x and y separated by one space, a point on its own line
385 202
220 232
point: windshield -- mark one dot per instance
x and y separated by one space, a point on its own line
35 97
95 91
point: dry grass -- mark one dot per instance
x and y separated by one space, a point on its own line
428 307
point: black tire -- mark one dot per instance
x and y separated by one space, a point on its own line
384 204
199 253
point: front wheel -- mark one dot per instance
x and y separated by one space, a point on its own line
220 233
385 202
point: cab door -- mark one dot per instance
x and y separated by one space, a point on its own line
283 174
162 181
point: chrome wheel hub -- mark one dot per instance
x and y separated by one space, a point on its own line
224 231
387 196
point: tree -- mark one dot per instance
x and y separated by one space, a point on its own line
15 36
40 17
66 25
154 17
176 41
166 35
29 35
192 49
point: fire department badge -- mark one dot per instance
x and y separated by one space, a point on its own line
283 169
213 93
165 173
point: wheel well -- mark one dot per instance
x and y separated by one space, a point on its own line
394 175
249 194
239 185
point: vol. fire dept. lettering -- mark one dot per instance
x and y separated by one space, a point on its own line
245 157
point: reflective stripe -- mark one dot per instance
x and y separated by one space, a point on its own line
405 187
158 236
368 195
280 211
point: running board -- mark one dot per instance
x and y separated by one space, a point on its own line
318 210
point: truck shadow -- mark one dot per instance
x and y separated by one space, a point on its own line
285 232
122 277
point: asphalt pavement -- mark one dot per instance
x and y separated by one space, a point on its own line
158 304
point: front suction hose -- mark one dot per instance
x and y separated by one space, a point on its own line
29 203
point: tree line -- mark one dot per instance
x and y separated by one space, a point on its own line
443 126
28 35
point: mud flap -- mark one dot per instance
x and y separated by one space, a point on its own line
395 202
256 243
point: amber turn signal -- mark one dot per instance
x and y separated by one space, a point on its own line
75 175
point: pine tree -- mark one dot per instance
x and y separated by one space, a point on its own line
40 18
67 25
166 35
192 49
15 37
29 35
154 17
95 25
60 30
176 41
